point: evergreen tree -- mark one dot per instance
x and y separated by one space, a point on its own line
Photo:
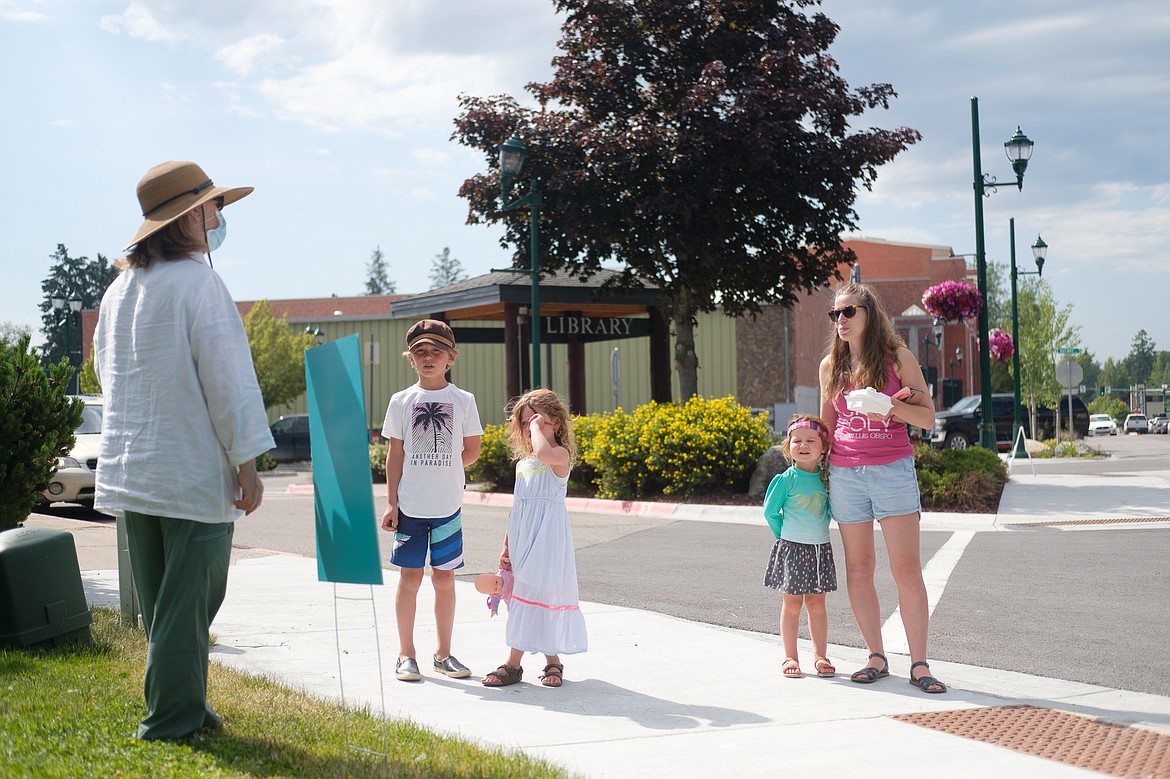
446 270
378 272
1140 362
70 278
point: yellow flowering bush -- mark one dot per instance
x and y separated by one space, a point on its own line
495 465
701 446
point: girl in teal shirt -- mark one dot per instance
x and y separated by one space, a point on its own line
796 508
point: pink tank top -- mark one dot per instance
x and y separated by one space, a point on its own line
859 441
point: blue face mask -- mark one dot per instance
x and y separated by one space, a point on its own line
215 237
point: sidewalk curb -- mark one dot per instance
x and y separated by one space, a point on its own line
640 508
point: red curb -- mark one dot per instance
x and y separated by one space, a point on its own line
303 489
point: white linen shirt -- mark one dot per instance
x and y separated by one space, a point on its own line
182 406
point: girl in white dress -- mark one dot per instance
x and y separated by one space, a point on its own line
544 616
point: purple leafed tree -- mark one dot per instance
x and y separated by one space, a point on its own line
704 146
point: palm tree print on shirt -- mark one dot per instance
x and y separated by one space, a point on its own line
431 427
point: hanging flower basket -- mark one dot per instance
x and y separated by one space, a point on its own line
1002 347
952 301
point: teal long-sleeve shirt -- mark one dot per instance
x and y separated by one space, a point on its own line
796 507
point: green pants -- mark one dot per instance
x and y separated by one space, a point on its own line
180 572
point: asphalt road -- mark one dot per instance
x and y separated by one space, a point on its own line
1087 605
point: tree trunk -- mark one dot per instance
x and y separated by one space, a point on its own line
686 361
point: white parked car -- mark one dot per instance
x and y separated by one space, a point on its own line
74 480
1102 424
1136 423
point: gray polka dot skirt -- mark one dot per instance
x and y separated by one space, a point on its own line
801 569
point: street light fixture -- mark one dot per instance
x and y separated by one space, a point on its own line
1039 252
72 306
316 332
1019 150
512 155
959 359
935 342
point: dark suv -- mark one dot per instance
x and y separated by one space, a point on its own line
291 434
958 426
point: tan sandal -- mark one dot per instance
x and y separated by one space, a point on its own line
825 669
503 676
791 668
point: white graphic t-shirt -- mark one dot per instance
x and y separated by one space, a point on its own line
431 425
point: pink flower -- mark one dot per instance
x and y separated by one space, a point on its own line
1001 344
952 301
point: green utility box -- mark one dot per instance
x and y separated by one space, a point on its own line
42 600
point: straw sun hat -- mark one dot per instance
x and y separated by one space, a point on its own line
171 189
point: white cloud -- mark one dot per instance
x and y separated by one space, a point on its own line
241 57
138 22
8 14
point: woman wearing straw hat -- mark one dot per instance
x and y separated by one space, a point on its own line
183 424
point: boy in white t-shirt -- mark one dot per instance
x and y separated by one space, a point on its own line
434 433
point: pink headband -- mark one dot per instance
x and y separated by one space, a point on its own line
804 423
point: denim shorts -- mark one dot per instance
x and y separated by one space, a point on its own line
862 493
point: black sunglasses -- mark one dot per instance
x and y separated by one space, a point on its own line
848 311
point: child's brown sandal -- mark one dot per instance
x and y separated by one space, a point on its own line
503 676
553 675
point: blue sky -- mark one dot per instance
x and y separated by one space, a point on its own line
340 113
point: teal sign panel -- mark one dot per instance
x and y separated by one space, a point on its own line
343 489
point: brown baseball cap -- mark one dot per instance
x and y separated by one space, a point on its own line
430 331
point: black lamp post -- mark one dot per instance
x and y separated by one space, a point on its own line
316 332
1019 151
71 307
936 342
1039 252
512 154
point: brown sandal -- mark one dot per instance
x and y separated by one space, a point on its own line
825 669
503 676
790 668
553 675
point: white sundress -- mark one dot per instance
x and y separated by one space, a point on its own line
544 616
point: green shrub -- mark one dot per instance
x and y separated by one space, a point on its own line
265 463
37 424
378 461
494 466
964 480
671 449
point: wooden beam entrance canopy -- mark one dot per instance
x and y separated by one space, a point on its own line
573 312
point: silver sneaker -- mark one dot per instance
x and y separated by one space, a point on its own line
452 667
406 670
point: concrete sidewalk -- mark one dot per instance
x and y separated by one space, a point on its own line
660 696
654 695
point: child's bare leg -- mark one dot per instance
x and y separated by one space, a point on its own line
405 603
790 629
818 623
444 584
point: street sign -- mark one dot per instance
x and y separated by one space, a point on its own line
1069 373
1066 350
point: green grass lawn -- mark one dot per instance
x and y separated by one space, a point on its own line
73 712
